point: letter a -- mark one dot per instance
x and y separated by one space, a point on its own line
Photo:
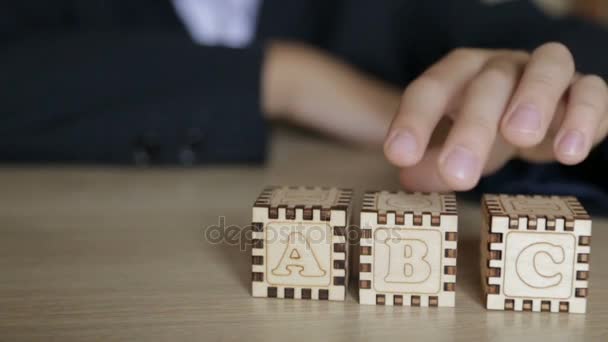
298 254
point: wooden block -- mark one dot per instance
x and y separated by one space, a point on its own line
535 253
408 253
300 243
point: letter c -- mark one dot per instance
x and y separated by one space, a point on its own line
538 265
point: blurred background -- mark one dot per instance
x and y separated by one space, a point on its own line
595 9
104 96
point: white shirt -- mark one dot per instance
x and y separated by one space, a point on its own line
229 23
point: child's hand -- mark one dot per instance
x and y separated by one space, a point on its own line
502 105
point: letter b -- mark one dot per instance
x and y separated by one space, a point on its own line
407 261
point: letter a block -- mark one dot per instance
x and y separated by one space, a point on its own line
535 253
407 252
299 246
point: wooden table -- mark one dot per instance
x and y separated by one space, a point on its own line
121 254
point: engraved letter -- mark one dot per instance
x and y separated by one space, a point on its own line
538 265
407 262
298 255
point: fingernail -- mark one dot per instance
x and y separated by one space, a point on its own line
462 164
402 146
572 143
526 119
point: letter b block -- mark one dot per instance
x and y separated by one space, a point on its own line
408 249
299 247
535 253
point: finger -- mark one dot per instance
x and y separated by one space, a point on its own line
602 130
587 108
468 145
502 152
425 175
544 152
545 80
425 101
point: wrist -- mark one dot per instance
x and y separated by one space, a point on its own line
278 79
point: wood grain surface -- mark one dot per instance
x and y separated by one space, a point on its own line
110 254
